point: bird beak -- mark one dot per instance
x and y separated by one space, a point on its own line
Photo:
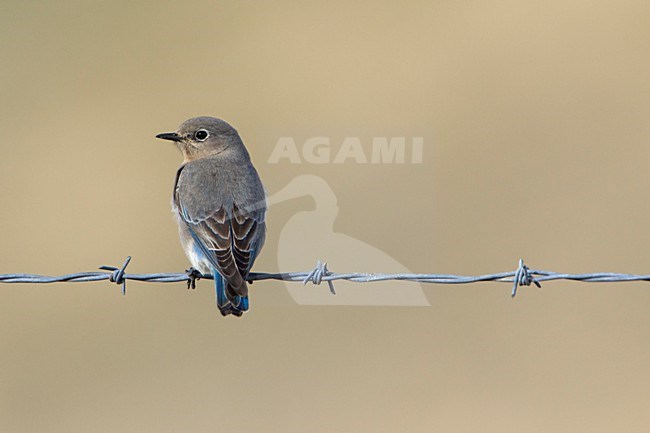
173 136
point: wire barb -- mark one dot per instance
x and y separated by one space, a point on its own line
118 275
523 278
316 276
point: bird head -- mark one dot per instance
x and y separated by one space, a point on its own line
202 137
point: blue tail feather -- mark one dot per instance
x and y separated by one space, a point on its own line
237 306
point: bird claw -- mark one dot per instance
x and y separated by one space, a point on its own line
194 275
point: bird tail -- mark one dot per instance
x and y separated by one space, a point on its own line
228 301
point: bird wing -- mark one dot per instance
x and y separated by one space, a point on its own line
229 236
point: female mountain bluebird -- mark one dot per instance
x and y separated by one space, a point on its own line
219 204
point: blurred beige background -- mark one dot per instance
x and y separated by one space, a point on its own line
535 124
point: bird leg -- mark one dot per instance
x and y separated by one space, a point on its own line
194 275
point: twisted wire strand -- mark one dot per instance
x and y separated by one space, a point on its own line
522 276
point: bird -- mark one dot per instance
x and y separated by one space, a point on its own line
219 203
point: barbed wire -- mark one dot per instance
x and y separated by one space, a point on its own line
522 276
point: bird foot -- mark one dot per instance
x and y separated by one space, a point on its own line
194 275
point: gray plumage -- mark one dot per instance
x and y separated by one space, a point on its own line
219 203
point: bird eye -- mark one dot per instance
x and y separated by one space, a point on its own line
201 134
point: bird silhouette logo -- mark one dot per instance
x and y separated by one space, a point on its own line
309 235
